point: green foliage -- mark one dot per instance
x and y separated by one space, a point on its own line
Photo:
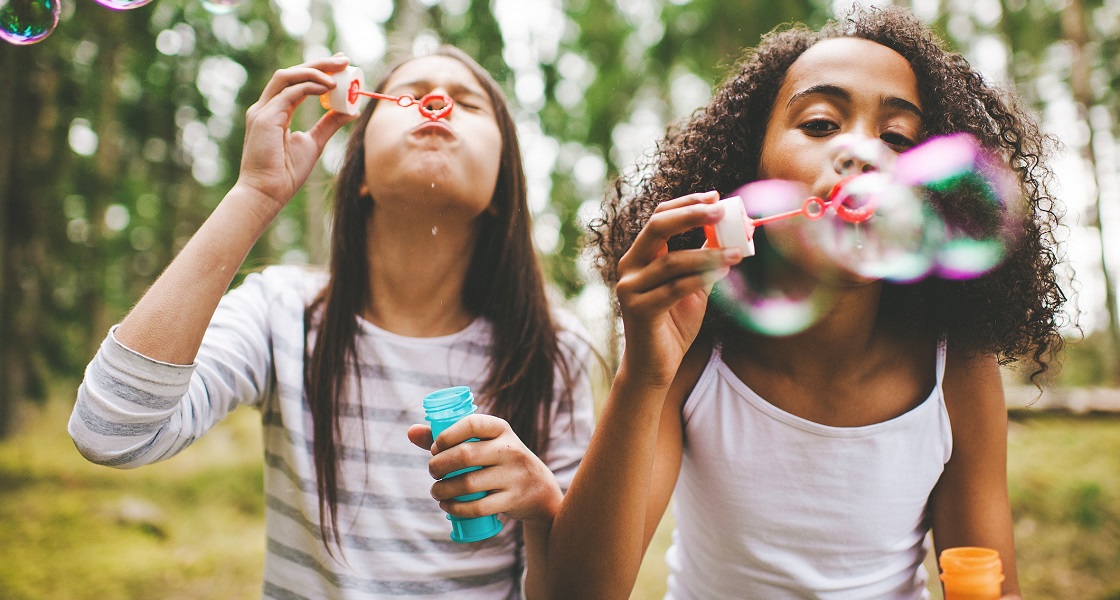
83 235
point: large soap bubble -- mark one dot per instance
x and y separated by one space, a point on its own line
25 22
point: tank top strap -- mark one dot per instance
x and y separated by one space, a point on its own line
942 351
717 351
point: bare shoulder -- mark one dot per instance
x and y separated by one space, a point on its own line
692 366
975 402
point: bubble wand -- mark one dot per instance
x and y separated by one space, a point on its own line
936 166
736 229
348 88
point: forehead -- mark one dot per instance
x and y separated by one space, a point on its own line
854 64
436 70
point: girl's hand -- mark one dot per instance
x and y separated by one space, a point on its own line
276 161
518 483
662 294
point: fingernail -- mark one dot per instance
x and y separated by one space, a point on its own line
711 277
732 254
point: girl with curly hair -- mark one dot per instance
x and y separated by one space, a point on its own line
813 464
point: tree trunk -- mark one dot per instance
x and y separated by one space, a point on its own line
1074 29
7 280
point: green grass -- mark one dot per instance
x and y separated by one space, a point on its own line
192 527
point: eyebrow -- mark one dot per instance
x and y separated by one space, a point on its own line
840 93
451 87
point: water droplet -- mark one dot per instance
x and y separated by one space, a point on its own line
434 230
25 22
220 7
122 4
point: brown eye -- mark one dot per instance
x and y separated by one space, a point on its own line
897 141
819 127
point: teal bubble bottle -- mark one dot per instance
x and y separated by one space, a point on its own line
444 408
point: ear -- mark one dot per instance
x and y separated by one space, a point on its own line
363 190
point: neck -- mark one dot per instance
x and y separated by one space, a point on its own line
842 339
418 270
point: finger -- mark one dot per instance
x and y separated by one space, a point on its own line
664 224
471 482
420 436
666 296
491 504
483 427
675 265
709 197
287 100
318 71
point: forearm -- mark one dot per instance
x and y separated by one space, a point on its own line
598 536
536 558
169 321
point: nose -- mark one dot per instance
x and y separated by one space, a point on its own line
854 154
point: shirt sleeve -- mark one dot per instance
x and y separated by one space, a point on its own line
133 410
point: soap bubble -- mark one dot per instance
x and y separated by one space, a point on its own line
896 239
122 4
221 7
947 208
976 196
25 22
760 299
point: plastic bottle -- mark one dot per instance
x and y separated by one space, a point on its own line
444 408
969 573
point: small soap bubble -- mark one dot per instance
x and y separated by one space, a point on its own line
221 7
25 22
122 4
434 230
772 308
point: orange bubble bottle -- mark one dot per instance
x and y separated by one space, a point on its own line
969 573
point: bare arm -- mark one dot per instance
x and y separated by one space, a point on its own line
970 505
169 321
624 483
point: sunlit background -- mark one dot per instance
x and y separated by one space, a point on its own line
120 130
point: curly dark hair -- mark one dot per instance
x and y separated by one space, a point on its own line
1012 311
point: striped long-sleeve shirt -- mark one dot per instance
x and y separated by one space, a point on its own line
132 410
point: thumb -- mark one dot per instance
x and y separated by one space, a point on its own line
327 126
421 437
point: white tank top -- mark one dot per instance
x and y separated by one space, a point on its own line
771 506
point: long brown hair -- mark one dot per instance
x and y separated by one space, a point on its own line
507 288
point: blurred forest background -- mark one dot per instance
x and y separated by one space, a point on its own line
121 131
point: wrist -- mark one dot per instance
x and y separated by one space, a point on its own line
640 377
258 205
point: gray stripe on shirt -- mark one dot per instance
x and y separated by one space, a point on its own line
115 387
101 426
392 588
361 542
360 499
